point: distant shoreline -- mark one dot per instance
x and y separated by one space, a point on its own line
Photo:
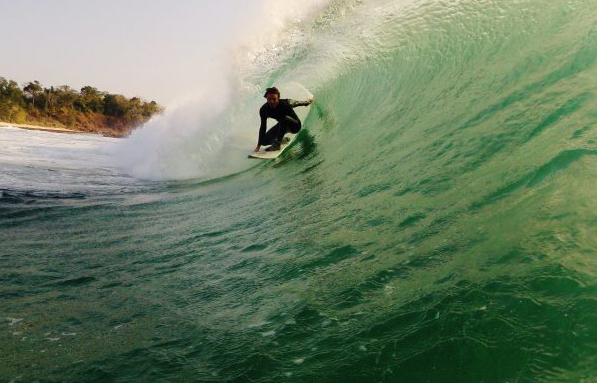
42 128
65 110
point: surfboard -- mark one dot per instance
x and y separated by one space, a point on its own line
263 155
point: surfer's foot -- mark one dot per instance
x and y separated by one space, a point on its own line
285 140
273 148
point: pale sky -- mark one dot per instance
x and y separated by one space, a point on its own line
156 49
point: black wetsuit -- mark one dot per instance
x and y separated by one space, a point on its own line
288 121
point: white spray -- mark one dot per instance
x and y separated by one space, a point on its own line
207 135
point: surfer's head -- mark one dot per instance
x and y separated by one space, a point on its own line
273 97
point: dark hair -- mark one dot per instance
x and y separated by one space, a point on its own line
272 90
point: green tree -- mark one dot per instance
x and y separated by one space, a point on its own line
33 89
92 99
65 97
10 92
49 96
115 105
11 99
151 108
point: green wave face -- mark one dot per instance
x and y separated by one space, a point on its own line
435 221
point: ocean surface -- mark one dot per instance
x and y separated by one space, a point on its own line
435 221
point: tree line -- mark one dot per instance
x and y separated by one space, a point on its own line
88 109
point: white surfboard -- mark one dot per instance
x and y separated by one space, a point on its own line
262 154
294 91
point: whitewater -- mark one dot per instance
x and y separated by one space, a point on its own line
435 220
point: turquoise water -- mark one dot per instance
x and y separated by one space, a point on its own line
434 222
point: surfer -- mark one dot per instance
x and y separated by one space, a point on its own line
282 111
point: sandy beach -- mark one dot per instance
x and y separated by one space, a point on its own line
36 127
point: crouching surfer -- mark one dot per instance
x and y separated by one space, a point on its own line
282 111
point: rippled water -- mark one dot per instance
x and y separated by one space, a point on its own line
434 222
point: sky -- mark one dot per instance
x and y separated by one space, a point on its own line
158 50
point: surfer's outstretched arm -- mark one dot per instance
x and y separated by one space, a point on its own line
294 103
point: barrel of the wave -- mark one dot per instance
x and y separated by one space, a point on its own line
285 105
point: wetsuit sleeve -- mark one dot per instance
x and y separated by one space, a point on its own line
294 103
262 126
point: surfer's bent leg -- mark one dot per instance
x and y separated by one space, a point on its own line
271 136
289 125
275 135
293 125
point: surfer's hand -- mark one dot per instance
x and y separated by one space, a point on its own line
257 148
310 101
